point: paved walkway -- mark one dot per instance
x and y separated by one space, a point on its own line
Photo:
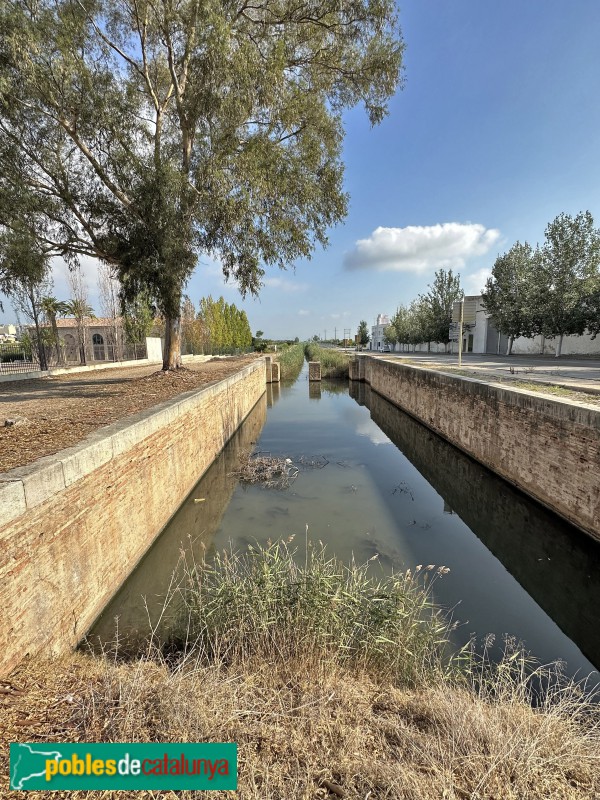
581 374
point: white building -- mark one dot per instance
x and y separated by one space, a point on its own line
483 337
377 331
8 332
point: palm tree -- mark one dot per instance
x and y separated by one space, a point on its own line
53 308
82 312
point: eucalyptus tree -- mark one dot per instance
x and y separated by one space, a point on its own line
147 131
510 295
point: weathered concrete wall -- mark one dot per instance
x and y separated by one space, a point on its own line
549 448
553 562
73 525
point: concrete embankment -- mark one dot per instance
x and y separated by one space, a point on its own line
73 525
549 448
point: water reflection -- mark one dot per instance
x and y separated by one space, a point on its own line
139 604
556 564
374 482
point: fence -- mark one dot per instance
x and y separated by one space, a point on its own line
21 357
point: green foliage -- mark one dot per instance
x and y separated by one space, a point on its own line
291 360
270 600
363 333
334 364
145 133
567 275
509 292
224 327
138 317
428 317
553 290
437 306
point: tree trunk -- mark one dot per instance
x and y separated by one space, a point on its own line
559 346
56 338
172 354
510 344
38 334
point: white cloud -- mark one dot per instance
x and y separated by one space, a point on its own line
474 283
418 248
303 312
60 276
284 285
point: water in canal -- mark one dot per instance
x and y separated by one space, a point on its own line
373 481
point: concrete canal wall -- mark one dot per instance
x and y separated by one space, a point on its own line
74 525
549 448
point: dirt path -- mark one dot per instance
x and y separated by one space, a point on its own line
61 411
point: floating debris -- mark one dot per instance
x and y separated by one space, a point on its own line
271 472
316 462
403 488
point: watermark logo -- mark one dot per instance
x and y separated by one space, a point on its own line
58 766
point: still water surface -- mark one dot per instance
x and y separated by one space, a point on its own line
373 481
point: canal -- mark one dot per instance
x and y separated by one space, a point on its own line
374 482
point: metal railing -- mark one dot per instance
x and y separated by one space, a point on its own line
19 357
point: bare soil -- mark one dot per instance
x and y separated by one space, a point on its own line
61 411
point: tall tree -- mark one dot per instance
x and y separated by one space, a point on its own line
145 132
398 330
567 276
363 333
418 323
436 310
52 308
25 279
109 297
510 290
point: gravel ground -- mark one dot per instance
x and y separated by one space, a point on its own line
61 411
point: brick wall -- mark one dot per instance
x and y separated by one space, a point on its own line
549 448
87 515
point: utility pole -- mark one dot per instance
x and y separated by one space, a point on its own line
460 331
325 336
335 334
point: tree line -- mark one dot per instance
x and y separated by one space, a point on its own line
217 326
426 318
552 290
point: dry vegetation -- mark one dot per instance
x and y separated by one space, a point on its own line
271 472
331 684
61 411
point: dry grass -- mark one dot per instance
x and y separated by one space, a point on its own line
299 724
317 713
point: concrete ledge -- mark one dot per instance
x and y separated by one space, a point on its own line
80 460
12 499
41 480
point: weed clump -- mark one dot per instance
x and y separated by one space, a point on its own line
290 361
269 603
334 364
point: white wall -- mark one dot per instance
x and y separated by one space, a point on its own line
154 345
572 345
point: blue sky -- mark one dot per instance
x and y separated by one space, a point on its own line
496 131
